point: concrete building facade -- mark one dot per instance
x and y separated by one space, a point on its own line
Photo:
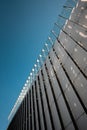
56 98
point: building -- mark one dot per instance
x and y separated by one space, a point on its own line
55 95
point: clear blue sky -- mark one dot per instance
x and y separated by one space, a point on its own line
24 27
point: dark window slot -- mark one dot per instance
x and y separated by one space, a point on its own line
81 102
28 111
34 108
27 106
51 119
30 119
73 60
74 40
68 107
20 117
44 118
25 113
32 111
37 106
70 37
77 23
56 104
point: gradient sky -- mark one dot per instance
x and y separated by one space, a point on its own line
24 28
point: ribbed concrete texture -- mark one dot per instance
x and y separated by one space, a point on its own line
57 98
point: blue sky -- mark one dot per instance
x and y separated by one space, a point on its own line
24 28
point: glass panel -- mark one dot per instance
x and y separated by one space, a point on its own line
56 30
49 44
53 38
66 12
61 21
71 3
